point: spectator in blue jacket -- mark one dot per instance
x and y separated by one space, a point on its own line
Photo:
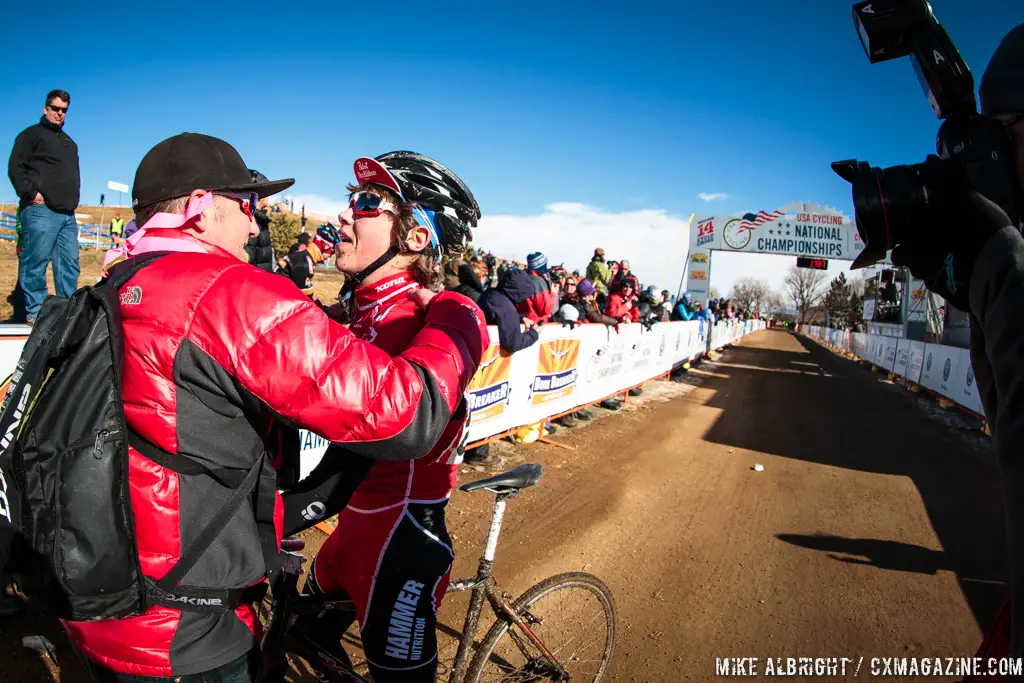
499 306
683 309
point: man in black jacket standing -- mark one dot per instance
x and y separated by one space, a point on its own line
44 171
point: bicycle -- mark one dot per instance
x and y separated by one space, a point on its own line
520 619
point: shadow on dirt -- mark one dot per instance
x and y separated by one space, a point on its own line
822 408
893 555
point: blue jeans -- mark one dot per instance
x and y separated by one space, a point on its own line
47 236
246 669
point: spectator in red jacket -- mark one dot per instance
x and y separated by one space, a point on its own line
542 303
620 304
622 276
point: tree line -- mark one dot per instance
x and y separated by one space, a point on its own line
839 302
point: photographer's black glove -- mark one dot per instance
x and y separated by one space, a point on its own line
942 249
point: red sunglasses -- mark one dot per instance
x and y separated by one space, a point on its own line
369 204
248 205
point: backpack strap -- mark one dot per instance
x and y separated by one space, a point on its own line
125 271
261 479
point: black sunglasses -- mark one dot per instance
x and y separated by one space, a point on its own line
55 109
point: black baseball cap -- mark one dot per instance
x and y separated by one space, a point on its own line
191 161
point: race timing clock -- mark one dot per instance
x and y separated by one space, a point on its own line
812 263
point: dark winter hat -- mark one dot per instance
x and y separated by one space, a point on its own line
537 262
304 238
1002 84
190 161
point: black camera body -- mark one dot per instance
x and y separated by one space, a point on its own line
975 151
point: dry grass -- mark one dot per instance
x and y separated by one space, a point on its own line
326 283
87 215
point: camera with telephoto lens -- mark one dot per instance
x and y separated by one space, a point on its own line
974 151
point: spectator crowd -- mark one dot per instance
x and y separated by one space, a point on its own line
518 297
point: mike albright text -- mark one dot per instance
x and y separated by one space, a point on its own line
782 667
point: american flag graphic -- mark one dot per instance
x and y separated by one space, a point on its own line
750 221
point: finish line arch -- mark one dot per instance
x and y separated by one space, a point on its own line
799 229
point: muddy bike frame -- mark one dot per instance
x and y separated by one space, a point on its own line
277 641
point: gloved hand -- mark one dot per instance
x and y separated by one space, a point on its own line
942 248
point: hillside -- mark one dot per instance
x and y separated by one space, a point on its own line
326 283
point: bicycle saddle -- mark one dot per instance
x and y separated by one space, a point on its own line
516 478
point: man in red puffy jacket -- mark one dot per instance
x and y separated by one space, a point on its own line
216 353
391 553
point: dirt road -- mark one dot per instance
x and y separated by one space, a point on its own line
873 530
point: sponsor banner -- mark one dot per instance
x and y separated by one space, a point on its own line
930 369
565 369
698 273
872 350
858 344
902 358
490 390
941 368
947 371
311 449
915 362
966 386
887 355
556 371
12 339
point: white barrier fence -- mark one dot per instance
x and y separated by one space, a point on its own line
945 370
565 369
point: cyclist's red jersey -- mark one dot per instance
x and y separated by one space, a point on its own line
383 315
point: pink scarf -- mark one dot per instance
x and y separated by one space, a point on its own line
161 239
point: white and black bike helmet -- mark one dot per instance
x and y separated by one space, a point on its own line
441 201
439 192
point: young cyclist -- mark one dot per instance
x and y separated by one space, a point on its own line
391 552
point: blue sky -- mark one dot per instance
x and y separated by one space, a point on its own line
578 124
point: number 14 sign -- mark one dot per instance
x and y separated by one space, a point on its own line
705 232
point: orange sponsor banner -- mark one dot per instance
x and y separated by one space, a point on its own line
556 370
490 388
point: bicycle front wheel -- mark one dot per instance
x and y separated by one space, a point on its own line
564 630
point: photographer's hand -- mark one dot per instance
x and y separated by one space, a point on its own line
944 247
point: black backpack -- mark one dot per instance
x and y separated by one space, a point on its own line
65 512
